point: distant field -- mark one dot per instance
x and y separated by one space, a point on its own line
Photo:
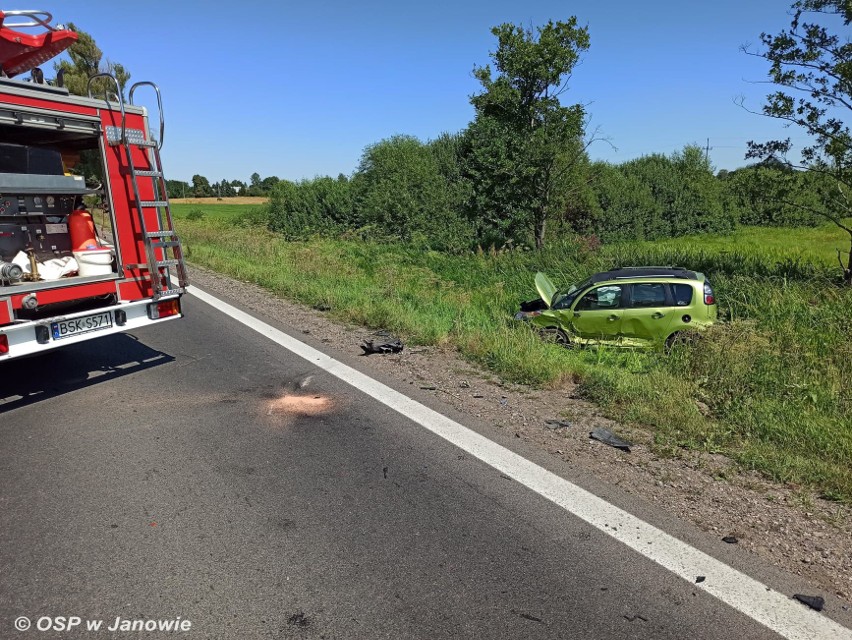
226 212
818 244
223 201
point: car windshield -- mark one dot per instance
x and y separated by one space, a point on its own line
564 298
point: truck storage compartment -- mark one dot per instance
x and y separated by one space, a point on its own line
35 211
39 201
20 158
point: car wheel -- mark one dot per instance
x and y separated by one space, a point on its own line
681 338
672 340
556 336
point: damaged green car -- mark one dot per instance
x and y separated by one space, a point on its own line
629 307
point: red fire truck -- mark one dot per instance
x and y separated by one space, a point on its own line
65 275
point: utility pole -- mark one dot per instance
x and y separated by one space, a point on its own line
707 151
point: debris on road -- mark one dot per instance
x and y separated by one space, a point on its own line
369 346
299 619
700 579
608 437
556 425
814 602
527 616
636 617
730 539
434 388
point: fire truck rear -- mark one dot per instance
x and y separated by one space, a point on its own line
67 275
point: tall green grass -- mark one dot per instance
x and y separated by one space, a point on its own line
775 373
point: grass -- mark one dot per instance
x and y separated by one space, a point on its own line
214 201
216 213
775 374
815 245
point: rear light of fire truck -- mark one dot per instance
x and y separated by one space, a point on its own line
4 343
164 309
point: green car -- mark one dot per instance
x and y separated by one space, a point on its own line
630 307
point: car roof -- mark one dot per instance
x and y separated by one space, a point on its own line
623 273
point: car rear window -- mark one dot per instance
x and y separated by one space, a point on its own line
682 294
649 295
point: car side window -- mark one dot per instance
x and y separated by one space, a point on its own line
649 294
605 297
682 294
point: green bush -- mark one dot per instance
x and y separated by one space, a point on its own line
775 196
322 206
625 206
409 191
685 196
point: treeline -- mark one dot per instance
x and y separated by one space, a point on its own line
404 189
201 187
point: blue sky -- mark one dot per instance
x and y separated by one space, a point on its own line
297 90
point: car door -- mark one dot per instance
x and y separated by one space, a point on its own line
647 317
597 313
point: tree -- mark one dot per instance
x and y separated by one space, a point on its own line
524 147
223 189
255 188
811 62
201 186
86 61
177 188
267 184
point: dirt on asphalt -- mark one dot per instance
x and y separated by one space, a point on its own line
788 527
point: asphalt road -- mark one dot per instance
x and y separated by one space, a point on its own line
198 470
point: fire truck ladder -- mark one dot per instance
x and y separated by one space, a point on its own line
163 247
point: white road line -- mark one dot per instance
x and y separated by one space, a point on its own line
774 610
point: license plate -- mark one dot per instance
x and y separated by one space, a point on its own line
68 328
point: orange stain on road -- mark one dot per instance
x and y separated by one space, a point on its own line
300 405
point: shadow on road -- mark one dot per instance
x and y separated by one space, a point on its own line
54 373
